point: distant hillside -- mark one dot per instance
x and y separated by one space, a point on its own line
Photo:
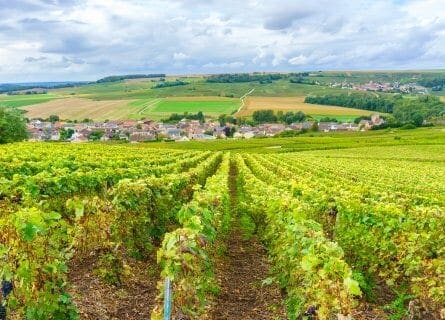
114 98
11 87
130 76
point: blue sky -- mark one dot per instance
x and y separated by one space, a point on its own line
44 40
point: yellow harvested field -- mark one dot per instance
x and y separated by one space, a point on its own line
295 104
442 98
78 109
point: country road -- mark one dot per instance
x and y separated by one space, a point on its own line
242 99
152 103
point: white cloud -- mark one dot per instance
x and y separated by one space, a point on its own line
230 65
180 56
299 60
88 39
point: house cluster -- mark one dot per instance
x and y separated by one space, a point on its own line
391 87
82 132
382 87
184 130
269 129
130 130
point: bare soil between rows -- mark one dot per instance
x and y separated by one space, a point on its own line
134 299
240 274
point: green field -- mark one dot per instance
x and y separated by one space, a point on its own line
16 101
207 107
158 109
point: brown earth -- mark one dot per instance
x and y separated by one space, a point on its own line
134 299
240 273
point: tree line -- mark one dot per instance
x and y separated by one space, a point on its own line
130 76
247 77
12 88
404 110
354 100
436 84
269 116
166 84
176 117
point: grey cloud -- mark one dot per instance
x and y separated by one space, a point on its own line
284 19
333 25
34 25
69 45
73 60
32 59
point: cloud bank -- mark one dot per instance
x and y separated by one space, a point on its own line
42 40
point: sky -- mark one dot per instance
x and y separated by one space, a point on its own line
61 40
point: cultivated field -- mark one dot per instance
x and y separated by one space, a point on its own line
24 100
240 234
208 105
79 109
297 104
152 108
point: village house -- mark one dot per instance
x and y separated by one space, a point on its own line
78 138
376 120
203 137
368 124
335 126
327 126
365 124
219 132
173 133
142 136
182 139
36 134
246 132
127 124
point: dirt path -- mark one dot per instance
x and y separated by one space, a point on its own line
133 300
240 273
242 100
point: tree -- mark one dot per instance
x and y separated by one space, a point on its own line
417 119
229 131
200 117
96 135
53 118
66 134
224 119
263 116
315 127
12 126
